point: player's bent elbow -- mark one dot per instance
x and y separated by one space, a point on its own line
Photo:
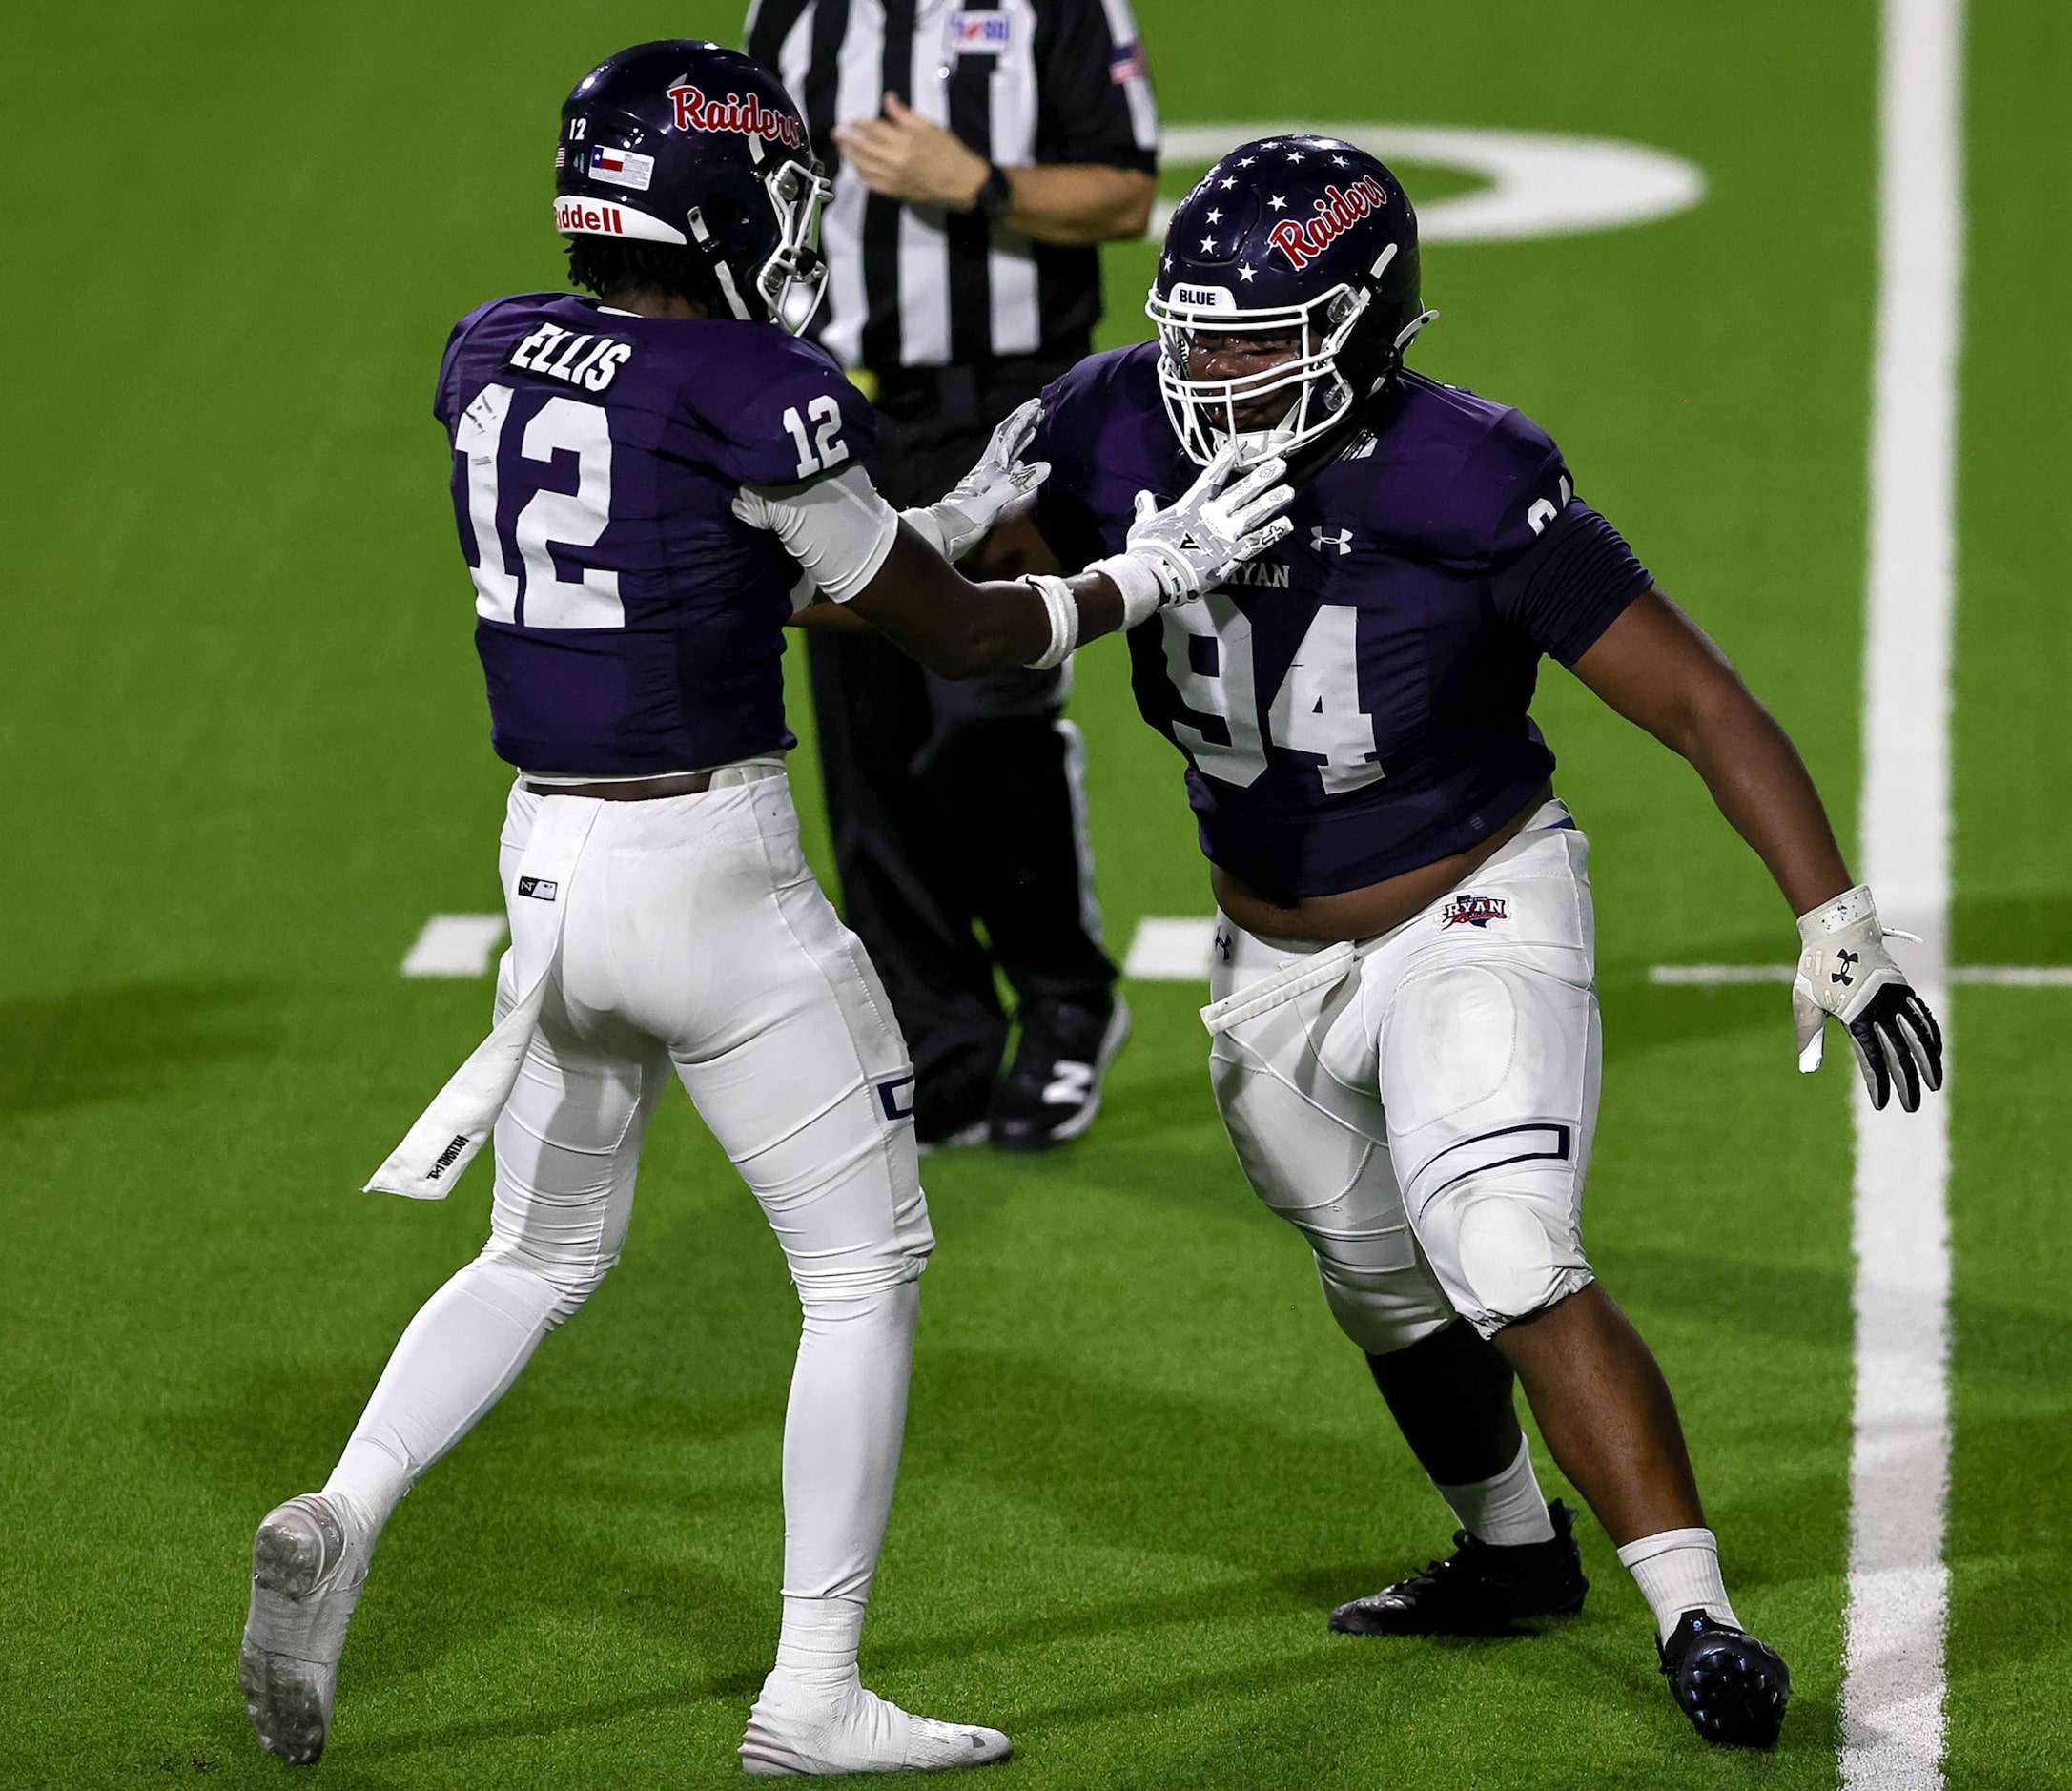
953 648
1133 214
964 659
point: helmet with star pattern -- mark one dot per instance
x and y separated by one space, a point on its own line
1287 235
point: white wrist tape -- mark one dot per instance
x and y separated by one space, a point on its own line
1845 911
1142 594
1064 614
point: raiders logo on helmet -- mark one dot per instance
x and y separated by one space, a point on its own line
682 141
1299 238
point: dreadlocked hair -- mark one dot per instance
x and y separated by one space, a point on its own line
606 264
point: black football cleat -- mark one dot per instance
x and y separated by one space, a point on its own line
1733 1687
1481 1589
1051 1090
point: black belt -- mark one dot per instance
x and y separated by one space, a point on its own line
633 789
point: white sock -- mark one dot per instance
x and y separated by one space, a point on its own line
1679 1571
819 1639
455 1361
842 1430
366 1486
1504 1509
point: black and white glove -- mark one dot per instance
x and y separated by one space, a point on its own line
1845 970
1193 545
1000 488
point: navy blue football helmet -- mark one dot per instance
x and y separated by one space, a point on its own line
1286 234
690 142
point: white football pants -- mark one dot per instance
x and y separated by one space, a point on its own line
1426 1120
696 943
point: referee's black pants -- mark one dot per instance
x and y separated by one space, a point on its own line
955 806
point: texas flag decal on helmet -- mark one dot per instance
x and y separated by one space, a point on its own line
623 168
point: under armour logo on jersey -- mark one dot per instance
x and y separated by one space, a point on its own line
1319 541
1845 960
539 889
1070 1084
1222 945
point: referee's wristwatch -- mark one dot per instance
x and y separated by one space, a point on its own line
996 198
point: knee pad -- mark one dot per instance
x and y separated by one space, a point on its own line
857 1276
1332 1181
1383 1312
851 1311
1505 1251
559 1288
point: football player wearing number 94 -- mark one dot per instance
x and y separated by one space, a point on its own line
1406 1026
647 480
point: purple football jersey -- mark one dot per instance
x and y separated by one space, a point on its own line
628 619
1354 702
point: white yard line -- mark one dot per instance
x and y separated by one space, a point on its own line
1992 976
1171 948
1893 1671
455 945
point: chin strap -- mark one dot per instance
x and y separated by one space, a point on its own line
724 274
1407 334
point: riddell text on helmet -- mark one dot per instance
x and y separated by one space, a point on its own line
748 117
1303 240
605 220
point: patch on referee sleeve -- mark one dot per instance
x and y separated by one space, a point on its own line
976 32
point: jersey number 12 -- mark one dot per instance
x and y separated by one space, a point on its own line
823 447
540 597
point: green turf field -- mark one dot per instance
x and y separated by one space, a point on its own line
246 755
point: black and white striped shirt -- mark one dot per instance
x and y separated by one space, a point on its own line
1022 82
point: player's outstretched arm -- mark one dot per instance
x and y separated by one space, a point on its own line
961 630
1659 669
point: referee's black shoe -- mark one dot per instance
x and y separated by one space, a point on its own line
1481 1589
1733 1687
1051 1090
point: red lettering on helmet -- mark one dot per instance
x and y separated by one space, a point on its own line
1287 237
1336 213
743 117
574 214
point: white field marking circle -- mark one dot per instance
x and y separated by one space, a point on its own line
1540 185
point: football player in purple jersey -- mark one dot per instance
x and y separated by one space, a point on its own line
1405 1028
646 480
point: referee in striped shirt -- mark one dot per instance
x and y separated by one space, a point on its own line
979 154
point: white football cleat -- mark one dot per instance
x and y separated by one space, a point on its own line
802 1727
307 1571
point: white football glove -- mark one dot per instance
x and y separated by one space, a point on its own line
1845 970
996 490
1199 540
